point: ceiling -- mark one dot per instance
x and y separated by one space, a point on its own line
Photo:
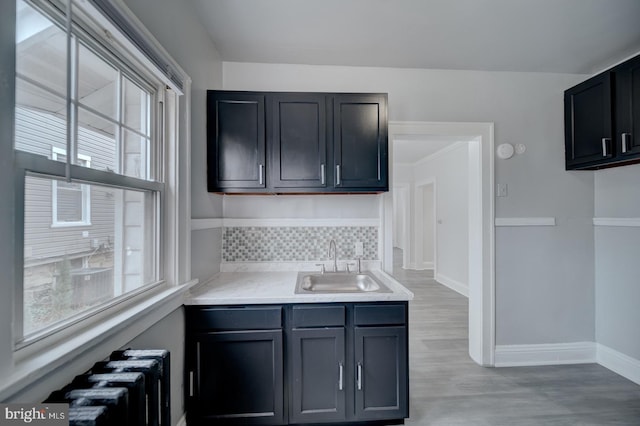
565 36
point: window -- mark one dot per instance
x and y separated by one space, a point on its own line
90 150
71 204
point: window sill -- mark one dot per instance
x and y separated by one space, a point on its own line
105 337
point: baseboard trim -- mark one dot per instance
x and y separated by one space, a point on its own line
619 363
454 285
183 420
545 354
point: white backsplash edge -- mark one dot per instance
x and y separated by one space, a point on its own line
366 265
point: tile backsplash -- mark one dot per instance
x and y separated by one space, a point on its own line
296 243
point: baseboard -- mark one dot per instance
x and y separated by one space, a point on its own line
619 363
454 285
546 354
183 420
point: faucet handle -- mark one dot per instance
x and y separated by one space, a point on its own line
348 265
321 265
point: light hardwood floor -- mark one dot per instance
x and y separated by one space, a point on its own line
448 388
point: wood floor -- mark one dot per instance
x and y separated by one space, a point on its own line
448 388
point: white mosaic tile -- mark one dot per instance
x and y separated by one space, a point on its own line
301 244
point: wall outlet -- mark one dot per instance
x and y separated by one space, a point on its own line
359 248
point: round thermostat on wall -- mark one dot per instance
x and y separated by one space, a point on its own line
505 151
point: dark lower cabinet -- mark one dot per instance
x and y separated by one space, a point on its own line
318 379
381 373
341 363
240 377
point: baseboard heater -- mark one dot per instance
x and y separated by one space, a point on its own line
131 388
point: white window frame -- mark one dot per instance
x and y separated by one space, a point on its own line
85 191
170 214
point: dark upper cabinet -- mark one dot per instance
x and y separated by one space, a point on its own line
627 107
360 141
297 126
588 123
602 116
313 142
236 148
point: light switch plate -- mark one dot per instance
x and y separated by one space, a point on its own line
359 248
501 190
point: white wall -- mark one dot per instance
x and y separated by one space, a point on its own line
448 169
526 108
365 206
428 226
617 195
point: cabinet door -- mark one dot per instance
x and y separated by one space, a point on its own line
588 123
627 78
381 362
360 142
235 141
239 377
317 375
298 140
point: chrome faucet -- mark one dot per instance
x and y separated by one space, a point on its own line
332 245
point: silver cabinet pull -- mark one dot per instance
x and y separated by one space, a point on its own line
625 142
338 174
190 383
323 176
260 174
605 144
341 368
359 377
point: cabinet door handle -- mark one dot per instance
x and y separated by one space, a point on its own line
359 377
338 174
340 383
323 175
260 174
605 146
190 383
625 142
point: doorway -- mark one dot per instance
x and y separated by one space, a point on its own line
481 270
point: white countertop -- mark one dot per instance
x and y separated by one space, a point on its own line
235 288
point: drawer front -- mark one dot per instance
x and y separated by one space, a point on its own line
318 316
232 318
393 314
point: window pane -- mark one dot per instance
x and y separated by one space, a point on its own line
68 270
37 130
135 155
70 203
41 49
136 107
97 83
97 139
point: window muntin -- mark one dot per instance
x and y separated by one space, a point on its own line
90 238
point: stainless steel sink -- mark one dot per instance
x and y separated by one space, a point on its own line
339 282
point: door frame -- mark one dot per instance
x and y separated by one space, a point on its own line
481 224
418 224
